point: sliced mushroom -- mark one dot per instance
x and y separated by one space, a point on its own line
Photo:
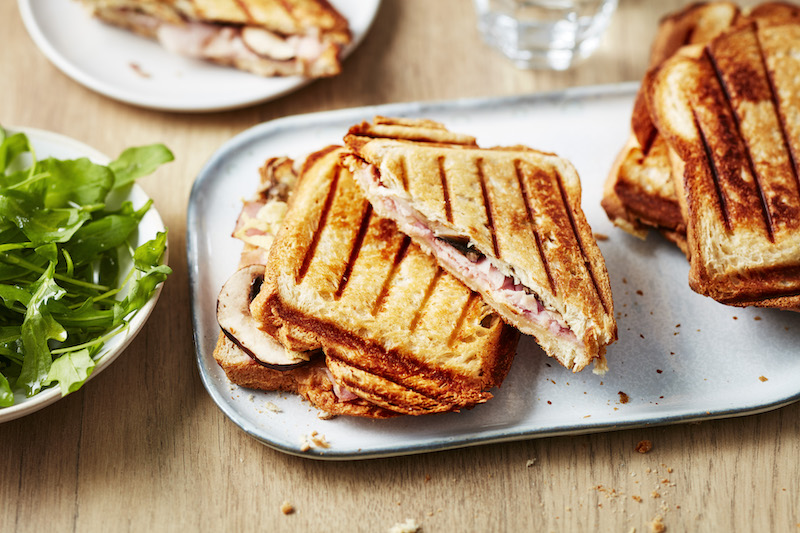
233 315
267 44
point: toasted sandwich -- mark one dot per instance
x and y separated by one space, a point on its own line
506 222
731 115
265 37
249 352
640 190
396 330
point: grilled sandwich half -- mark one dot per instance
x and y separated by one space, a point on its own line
640 190
506 222
732 114
265 37
396 330
250 352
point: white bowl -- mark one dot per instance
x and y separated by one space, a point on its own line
47 144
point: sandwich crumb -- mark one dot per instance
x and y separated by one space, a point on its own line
137 68
319 440
324 415
530 462
623 398
657 526
600 237
762 378
644 446
655 494
637 499
271 407
287 508
409 526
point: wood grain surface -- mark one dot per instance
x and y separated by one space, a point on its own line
143 448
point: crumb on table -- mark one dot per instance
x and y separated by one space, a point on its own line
644 446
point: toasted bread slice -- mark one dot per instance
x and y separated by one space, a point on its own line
265 37
396 329
507 222
639 192
313 382
731 114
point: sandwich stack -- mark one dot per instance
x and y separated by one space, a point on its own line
340 300
713 159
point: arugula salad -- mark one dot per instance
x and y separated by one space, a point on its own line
69 277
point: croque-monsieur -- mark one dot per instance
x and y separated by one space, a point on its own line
505 221
341 279
265 37
640 190
731 112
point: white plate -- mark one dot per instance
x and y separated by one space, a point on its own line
47 144
137 70
679 357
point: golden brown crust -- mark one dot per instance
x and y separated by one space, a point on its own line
639 193
310 381
508 201
730 116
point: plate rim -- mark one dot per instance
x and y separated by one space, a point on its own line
51 395
115 92
271 127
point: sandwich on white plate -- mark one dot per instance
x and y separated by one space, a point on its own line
265 37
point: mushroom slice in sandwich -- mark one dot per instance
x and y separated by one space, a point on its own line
506 222
265 37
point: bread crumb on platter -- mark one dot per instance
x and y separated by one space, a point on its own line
287 508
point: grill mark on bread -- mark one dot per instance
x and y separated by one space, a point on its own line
461 318
357 244
448 210
487 203
243 6
387 283
723 204
323 220
403 173
781 118
586 262
523 187
767 216
424 302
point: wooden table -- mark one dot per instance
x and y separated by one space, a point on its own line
142 447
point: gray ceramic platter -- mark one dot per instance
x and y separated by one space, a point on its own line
680 356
